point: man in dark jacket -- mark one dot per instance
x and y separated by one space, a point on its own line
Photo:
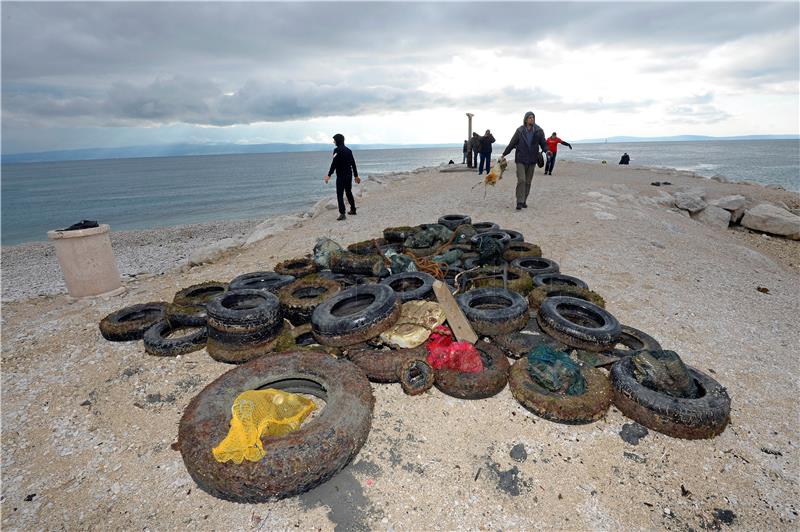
486 151
342 163
475 147
466 145
527 140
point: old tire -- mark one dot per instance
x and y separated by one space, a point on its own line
550 279
130 323
269 281
519 344
411 285
368 247
452 221
519 250
482 227
515 236
355 315
157 342
493 311
704 417
299 298
632 340
539 294
416 376
480 385
500 236
296 267
578 323
383 365
199 294
296 462
518 279
399 234
242 325
572 409
536 265
186 316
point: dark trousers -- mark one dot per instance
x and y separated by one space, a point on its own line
551 162
465 158
485 161
345 186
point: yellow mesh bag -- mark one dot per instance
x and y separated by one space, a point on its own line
258 413
417 320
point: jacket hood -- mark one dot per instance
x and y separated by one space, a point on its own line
525 119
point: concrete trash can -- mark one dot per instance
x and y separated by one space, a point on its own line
87 261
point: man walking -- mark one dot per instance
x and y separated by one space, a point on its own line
486 151
552 144
342 163
527 140
466 143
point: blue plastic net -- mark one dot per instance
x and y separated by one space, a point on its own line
555 371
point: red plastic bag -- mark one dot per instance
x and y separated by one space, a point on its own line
445 353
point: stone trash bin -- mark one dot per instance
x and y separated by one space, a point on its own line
87 261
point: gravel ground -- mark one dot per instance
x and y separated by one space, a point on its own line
87 424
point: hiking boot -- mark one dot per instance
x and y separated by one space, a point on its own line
341 217
524 205
352 211
519 206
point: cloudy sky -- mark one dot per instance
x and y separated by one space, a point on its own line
80 75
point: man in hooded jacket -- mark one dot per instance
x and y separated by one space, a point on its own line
527 140
342 163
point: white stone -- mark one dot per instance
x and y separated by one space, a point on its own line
719 178
689 201
730 203
212 252
772 219
713 216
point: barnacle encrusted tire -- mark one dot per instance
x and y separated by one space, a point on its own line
572 409
416 376
158 343
367 247
517 279
383 365
632 340
452 221
296 462
479 385
355 315
536 265
700 418
296 267
269 281
550 279
411 285
493 311
399 234
518 250
539 294
300 298
518 344
130 323
578 323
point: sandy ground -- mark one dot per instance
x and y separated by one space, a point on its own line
87 424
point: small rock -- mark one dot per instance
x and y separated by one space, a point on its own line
689 201
115 488
633 432
667 511
519 453
763 290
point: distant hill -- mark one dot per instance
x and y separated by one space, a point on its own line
686 138
176 150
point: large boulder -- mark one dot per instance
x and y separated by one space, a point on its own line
730 203
772 219
689 201
713 216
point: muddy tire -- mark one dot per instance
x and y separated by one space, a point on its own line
199 294
480 385
399 234
383 366
493 311
538 295
355 315
632 340
518 280
536 265
411 285
296 267
515 236
700 418
452 221
186 316
367 247
519 344
416 376
551 279
578 323
157 341
351 263
572 409
242 325
500 236
300 298
482 227
269 281
130 323
296 462
519 250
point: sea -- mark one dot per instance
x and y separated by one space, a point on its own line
150 192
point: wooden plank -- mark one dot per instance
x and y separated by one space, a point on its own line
455 318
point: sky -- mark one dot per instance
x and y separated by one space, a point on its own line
91 74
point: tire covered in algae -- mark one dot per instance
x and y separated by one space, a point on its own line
550 279
517 279
416 376
572 409
296 267
355 315
520 250
539 294
300 298
296 462
493 311
700 418
383 366
480 385
578 323
130 323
